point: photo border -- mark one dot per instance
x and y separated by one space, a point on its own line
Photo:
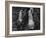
28 31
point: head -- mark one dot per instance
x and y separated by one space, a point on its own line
31 10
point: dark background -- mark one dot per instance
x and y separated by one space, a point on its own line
17 26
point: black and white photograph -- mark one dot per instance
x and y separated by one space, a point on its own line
25 18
